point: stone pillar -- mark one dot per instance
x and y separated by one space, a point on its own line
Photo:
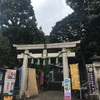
24 73
65 64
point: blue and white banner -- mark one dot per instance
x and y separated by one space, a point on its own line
67 89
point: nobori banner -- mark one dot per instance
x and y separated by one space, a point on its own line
91 79
9 82
67 89
75 76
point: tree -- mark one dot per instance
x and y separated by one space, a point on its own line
68 29
39 36
4 50
17 21
18 24
91 43
78 6
83 24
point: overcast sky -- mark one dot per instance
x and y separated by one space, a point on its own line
48 12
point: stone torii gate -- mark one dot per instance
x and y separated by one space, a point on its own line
64 54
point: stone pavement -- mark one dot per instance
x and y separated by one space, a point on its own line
49 95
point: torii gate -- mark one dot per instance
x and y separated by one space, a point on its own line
65 54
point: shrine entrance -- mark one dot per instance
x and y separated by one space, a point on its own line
57 51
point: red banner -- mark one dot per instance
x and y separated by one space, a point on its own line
41 78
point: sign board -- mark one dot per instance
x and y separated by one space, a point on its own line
9 82
91 79
67 89
75 76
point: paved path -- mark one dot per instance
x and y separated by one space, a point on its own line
50 95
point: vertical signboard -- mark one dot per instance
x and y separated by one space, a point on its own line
91 78
67 89
75 76
9 82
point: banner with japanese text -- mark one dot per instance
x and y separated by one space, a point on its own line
9 82
91 78
75 76
67 89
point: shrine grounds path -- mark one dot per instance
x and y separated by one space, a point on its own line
50 95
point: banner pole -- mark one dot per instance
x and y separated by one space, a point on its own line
80 94
80 82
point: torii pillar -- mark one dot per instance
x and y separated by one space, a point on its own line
24 72
65 63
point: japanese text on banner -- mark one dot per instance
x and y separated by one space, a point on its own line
75 76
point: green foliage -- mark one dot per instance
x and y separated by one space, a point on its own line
39 36
47 38
83 24
18 21
92 36
4 50
67 29
18 24
79 5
